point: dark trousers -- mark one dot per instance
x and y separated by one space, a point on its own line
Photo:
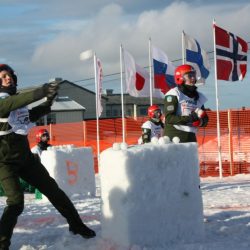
35 174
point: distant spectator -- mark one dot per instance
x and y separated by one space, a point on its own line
153 127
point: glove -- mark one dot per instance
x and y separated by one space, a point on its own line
51 89
51 99
203 117
194 119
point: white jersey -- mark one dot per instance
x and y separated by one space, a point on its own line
156 130
186 105
18 119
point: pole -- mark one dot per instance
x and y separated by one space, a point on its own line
122 102
217 105
97 111
151 81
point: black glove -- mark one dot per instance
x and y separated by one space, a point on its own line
51 99
193 117
51 89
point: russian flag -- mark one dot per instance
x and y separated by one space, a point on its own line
163 71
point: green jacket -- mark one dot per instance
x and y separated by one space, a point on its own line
14 147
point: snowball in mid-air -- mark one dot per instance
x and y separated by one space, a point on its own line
154 140
124 145
116 146
176 139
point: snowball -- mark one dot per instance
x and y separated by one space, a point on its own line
176 139
124 146
116 146
164 140
154 140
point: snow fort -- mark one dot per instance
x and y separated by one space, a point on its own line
150 193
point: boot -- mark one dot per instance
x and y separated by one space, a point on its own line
4 243
82 230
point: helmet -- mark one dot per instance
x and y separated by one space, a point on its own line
40 133
154 112
180 71
10 70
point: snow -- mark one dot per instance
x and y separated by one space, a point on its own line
153 198
226 211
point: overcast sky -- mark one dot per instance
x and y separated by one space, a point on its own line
43 39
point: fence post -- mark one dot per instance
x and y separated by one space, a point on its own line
230 140
84 133
135 112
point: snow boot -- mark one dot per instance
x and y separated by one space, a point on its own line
82 230
4 243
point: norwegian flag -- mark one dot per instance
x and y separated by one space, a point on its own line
231 55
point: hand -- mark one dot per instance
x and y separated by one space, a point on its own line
51 89
193 117
51 99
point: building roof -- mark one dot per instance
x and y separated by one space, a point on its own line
61 104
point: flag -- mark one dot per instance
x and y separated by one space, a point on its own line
137 78
99 86
163 71
231 55
197 57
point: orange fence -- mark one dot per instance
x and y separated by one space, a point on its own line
234 137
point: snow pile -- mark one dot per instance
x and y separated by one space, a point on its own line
72 168
150 194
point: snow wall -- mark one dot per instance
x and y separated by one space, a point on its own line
150 193
72 168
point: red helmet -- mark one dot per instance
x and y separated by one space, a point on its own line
40 133
180 71
154 111
10 70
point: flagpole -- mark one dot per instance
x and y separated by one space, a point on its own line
183 47
97 111
150 71
122 103
217 104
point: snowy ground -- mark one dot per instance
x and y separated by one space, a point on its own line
226 216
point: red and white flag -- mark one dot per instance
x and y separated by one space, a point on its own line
231 55
137 78
99 86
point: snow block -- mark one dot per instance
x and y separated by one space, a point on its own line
150 193
72 168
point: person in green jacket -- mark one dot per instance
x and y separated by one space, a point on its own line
17 160
184 106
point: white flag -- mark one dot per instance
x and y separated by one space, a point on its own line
197 57
99 86
137 78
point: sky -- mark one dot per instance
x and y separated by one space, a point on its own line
42 40
214 217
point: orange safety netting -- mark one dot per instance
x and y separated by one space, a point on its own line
234 138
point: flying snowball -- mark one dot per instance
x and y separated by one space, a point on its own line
176 139
124 146
154 140
85 55
116 146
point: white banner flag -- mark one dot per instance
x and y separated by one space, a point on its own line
99 86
